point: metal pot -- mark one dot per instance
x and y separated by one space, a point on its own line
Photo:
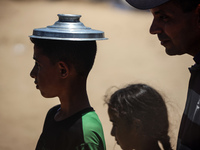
68 27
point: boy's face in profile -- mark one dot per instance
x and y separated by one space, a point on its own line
46 74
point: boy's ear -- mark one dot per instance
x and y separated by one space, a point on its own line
64 69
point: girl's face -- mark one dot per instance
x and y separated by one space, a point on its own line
126 134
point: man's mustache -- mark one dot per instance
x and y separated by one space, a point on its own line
163 37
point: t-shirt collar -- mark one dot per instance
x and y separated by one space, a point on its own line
197 58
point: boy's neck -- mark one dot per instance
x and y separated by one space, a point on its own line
60 115
67 110
73 100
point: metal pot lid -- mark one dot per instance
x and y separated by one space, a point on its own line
68 27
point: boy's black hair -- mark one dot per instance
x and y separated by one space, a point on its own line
80 54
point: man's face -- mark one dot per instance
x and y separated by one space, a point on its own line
46 74
177 31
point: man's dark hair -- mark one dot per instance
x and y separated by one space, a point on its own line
187 5
80 54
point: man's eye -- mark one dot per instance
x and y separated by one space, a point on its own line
164 18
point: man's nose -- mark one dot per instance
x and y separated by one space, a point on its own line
155 28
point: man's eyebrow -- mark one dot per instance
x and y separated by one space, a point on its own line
156 12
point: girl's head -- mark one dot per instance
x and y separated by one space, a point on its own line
138 113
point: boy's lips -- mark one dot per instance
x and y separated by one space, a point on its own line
36 85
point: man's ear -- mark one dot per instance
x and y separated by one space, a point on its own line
64 69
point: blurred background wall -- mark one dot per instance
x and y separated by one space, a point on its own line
131 55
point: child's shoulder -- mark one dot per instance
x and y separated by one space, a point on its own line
91 119
54 109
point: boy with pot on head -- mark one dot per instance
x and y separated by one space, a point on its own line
63 60
177 25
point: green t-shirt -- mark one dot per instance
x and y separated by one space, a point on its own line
82 131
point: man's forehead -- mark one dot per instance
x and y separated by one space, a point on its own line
168 7
158 10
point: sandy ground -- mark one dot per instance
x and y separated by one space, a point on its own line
131 55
